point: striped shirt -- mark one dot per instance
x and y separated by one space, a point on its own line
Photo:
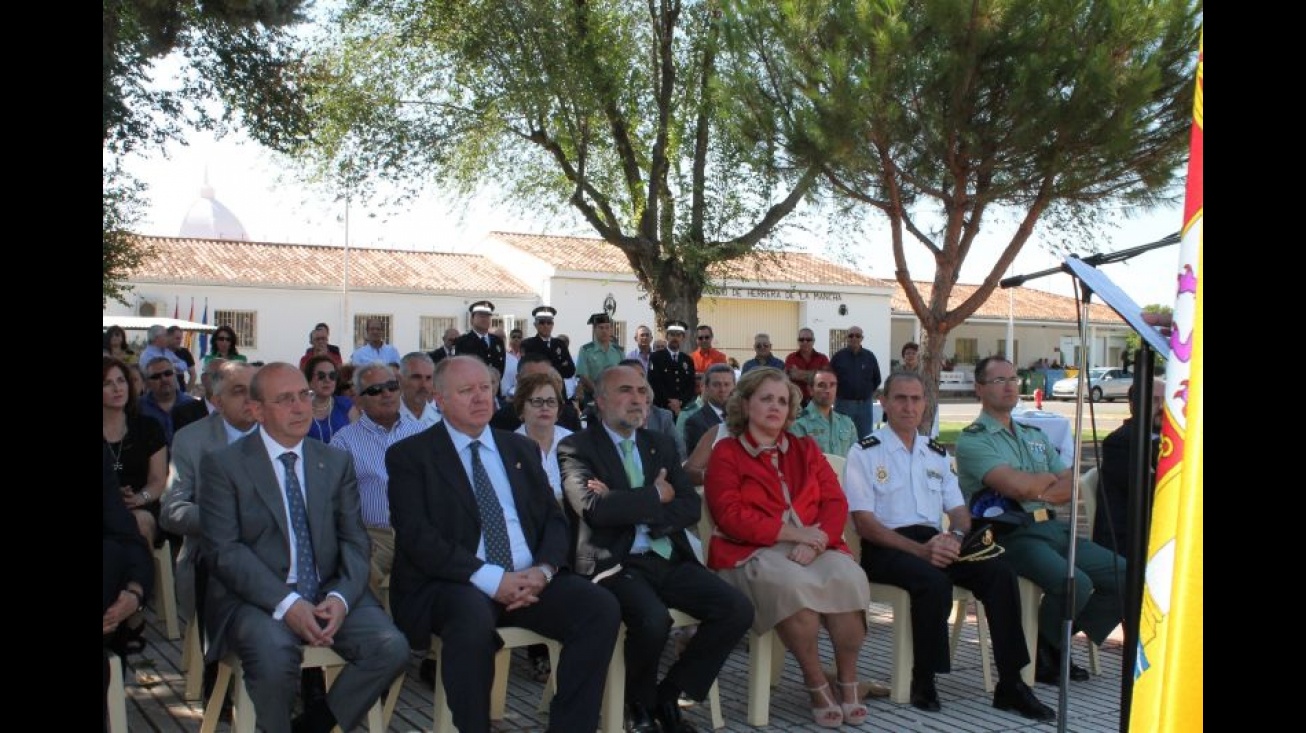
367 442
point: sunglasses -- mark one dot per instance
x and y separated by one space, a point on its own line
802 339
761 346
325 375
548 321
162 375
854 335
704 338
379 387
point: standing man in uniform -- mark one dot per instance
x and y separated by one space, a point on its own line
1017 465
801 364
671 372
834 431
899 486
859 376
596 356
544 343
479 342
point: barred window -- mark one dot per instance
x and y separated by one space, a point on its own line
431 331
244 323
360 328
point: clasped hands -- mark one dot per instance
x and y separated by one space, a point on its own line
808 543
316 625
942 549
520 588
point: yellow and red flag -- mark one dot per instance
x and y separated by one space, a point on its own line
1167 692
188 340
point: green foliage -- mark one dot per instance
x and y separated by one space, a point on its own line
609 109
122 252
940 113
234 52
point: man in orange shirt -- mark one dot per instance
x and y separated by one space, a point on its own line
705 356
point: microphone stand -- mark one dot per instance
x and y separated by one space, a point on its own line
1140 505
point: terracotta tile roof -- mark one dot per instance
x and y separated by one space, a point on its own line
589 254
1028 304
308 265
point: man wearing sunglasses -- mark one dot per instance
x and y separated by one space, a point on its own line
998 455
543 342
381 425
859 376
158 344
802 364
161 394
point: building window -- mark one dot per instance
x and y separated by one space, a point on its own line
838 340
244 323
360 328
431 331
967 351
1012 355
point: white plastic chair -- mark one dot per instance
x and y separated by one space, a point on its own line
513 637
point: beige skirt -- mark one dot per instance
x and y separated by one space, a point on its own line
780 587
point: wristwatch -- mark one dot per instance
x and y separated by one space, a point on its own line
958 534
145 496
548 573
140 599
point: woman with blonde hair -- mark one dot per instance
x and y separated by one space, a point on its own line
780 513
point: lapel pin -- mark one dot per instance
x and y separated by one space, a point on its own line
518 465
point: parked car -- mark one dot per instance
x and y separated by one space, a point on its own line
1104 383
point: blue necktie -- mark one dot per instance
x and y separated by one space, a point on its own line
306 580
660 545
493 526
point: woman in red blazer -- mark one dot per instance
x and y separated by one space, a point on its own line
779 514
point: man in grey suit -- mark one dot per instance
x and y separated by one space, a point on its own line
179 509
287 554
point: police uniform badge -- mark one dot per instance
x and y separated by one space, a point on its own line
881 474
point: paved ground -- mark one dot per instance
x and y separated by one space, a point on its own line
1092 707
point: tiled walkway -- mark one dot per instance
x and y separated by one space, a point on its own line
1093 706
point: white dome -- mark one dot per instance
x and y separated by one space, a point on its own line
209 219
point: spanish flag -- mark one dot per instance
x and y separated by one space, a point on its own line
1167 692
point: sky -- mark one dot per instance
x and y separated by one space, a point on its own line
258 188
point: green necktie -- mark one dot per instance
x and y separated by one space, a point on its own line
660 545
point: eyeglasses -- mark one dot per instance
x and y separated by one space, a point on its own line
761 346
379 387
162 375
221 338
1002 380
540 403
800 340
326 375
704 338
289 398
854 335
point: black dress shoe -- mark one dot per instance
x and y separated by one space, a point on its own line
640 720
1017 696
668 714
924 696
1047 668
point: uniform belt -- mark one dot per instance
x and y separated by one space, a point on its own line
1042 515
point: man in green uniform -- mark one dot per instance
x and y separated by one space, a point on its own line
1020 464
596 356
834 431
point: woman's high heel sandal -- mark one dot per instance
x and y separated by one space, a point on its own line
831 715
854 713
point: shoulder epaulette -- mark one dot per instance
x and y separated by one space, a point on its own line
869 441
934 446
1030 427
973 428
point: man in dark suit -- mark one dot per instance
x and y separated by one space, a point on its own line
544 343
1111 525
671 373
718 384
479 342
185 413
480 542
630 501
287 554
450 338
